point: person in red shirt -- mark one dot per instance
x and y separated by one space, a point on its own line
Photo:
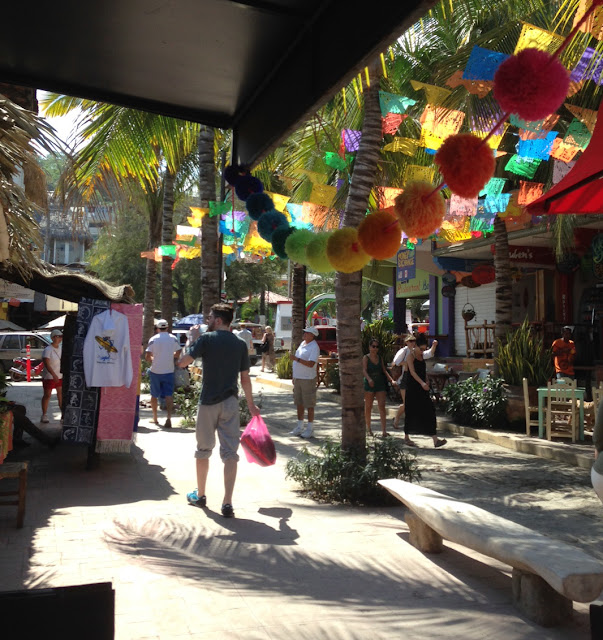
564 351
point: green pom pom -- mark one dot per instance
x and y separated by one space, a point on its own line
279 237
296 243
316 253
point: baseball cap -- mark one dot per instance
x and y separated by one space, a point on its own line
162 324
56 332
567 327
312 330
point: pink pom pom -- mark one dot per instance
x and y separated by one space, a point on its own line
466 164
419 215
379 234
531 84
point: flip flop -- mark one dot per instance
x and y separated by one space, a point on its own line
440 443
409 443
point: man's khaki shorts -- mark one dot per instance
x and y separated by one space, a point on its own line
223 418
304 392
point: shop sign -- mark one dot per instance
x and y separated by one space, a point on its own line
11 290
529 255
415 287
406 265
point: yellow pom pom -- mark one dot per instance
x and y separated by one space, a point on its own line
316 253
419 215
379 234
344 251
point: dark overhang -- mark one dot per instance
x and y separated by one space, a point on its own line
258 67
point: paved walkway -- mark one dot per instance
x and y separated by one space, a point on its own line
285 567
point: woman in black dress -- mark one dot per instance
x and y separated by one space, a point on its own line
420 416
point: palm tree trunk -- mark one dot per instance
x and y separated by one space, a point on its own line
502 266
211 284
167 237
348 286
298 308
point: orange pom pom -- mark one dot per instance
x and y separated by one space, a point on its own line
418 214
344 251
379 234
466 164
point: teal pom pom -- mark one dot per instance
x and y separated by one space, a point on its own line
279 237
269 222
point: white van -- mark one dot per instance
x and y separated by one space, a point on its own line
283 325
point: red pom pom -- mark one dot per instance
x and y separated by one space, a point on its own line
419 215
466 164
379 234
531 84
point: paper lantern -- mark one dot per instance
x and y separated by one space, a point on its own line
466 164
257 204
379 234
296 243
279 238
316 253
531 84
344 251
468 281
419 210
269 222
483 274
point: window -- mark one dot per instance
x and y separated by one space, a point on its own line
36 342
12 342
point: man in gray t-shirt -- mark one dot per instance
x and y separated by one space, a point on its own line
224 358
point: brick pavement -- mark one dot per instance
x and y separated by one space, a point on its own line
284 568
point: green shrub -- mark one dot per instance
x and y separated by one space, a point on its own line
381 331
478 403
524 356
284 366
336 475
186 401
332 376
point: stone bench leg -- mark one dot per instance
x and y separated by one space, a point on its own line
538 601
422 536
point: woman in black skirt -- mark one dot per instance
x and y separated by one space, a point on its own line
420 416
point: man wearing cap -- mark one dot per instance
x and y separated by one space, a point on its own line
163 347
564 352
52 378
304 381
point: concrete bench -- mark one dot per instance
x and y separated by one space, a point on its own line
547 574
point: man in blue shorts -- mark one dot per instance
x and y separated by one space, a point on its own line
224 357
163 347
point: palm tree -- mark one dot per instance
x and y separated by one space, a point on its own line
124 145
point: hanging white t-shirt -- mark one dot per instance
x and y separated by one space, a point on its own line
163 346
306 351
54 355
107 358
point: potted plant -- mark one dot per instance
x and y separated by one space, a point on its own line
523 356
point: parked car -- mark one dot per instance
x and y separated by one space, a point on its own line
257 331
13 345
327 339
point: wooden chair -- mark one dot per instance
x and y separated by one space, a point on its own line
572 382
15 470
561 412
597 397
531 411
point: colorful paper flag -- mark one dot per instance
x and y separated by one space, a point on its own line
442 122
587 117
435 95
561 169
391 122
386 196
483 63
183 230
577 134
415 172
431 142
280 201
529 191
351 139
462 206
323 195
320 217
589 67
493 187
479 88
594 23
563 151
532 37
539 149
525 167
536 129
497 203
393 103
218 208
167 250
408 146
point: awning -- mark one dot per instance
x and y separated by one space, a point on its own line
257 67
581 190
67 285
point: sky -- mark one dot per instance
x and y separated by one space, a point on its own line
64 126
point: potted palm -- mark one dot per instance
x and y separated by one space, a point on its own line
523 356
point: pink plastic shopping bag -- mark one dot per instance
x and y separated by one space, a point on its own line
257 443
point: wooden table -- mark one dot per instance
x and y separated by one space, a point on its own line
438 380
542 391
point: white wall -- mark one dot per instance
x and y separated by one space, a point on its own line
483 299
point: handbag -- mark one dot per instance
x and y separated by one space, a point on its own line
265 347
257 443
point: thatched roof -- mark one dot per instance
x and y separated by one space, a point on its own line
65 284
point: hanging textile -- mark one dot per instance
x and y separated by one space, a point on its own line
81 402
118 405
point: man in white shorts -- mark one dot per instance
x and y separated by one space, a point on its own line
224 357
304 381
